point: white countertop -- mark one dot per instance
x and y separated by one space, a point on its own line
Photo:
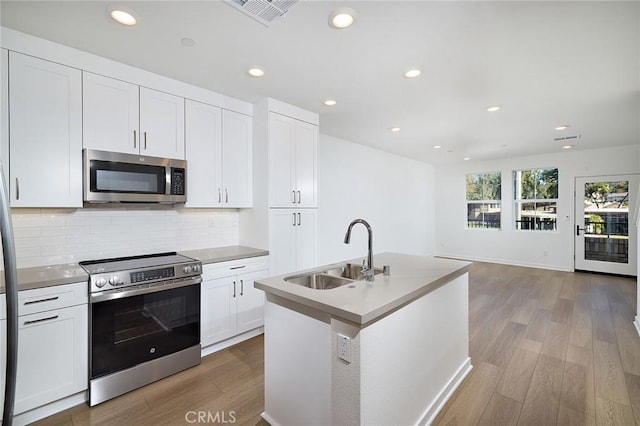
362 302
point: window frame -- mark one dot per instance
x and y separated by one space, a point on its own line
484 202
518 202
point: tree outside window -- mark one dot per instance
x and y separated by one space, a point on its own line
536 199
484 200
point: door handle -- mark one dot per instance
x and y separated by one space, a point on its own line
293 197
226 196
41 320
299 197
578 229
294 219
241 287
234 289
145 140
134 139
299 220
219 196
17 189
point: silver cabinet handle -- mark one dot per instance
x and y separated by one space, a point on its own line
17 189
134 139
234 289
237 267
219 196
145 140
299 197
294 219
241 287
41 320
299 219
226 195
293 197
49 299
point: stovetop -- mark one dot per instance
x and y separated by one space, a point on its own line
117 264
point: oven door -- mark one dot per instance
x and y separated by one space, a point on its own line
130 330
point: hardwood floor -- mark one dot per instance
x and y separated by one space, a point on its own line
548 348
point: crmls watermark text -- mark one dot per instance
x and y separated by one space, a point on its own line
219 417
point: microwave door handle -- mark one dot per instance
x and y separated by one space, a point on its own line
134 139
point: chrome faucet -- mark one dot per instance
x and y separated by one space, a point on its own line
367 271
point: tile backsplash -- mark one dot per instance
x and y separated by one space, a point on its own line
58 236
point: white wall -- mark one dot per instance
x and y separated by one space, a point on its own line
527 248
57 236
394 194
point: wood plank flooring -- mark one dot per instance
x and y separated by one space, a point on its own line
548 348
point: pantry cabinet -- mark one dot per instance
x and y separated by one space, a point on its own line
230 303
45 135
293 162
219 157
122 117
293 240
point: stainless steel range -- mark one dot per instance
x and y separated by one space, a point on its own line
144 315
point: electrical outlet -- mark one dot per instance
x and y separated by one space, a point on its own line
344 348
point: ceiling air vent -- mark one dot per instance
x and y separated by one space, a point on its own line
567 138
264 11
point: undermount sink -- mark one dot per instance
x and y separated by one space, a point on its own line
330 278
319 281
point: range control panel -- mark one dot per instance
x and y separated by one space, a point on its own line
119 279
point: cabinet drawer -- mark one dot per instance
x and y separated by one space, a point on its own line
48 298
234 267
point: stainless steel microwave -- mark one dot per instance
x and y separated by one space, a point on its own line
113 177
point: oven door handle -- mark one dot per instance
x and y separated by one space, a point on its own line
136 291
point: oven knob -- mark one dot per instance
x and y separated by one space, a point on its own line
196 268
114 280
187 269
100 282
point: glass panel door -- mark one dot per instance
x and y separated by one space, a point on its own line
604 233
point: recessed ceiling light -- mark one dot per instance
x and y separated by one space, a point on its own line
123 17
188 42
567 146
395 129
563 127
256 72
341 18
330 102
437 146
412 73
467 158
494 108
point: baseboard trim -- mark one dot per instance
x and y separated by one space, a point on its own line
446 392
267 418
47 410
505 262
231 341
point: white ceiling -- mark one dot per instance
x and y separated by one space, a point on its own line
547 63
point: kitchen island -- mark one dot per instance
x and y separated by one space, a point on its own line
390 351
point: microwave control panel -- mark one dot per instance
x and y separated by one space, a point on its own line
177 181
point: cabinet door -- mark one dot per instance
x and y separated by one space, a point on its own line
204 155
45 106
250 302
306 238
306 164
52 354
237 165
4 113
109 114
218 310
282 241
281 158
161 124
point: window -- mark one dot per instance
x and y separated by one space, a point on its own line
483 200
536 199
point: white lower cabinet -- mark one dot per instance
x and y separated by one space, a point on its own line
52 345
230 303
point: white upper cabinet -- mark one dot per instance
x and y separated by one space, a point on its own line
45 108
219 152
161 124
293 171
203 129
110 114
123 117
237 166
